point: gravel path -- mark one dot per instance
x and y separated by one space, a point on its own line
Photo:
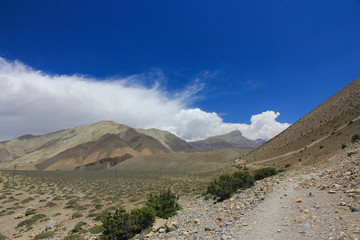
313 203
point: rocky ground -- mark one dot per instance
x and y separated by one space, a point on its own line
318 202
321 202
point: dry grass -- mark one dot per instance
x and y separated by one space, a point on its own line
70 197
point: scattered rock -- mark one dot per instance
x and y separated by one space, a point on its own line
353 191
159 223
20 215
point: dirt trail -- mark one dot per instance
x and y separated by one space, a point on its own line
310 203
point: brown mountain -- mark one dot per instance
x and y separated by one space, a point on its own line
317 135
86 144
232 140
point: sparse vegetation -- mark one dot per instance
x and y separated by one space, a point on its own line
226 185
74 237
96 229
44 235
31 220
165 203
76 215
264 173
355 138
78 227
124 225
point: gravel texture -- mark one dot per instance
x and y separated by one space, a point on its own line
321 202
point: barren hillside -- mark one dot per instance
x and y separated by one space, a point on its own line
317 135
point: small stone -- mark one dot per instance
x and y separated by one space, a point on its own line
208 229
32 235
162 230
30 209
159 223
352 209
245 224
307 225
300 219
324 187
332 192
298 200
343 207
196 221
353 191
342 204
172 226
21 215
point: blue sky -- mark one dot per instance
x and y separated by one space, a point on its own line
236 59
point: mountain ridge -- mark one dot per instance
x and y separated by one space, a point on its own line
68 148
231 140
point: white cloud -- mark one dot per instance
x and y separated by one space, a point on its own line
34 102
195 124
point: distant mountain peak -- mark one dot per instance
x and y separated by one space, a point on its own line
87 144
231 140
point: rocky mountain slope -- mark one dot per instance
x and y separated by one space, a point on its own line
71 148
318 202
232 140
317 135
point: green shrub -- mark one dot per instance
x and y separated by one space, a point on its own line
226 185
73 237
264 173
76 215
221 188
355 138
243 180
73 204
124 225
2 237
165 204
78 227
44 235
31 220
27 200
96 229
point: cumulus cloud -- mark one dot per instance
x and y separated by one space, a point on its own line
195 124
35 102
